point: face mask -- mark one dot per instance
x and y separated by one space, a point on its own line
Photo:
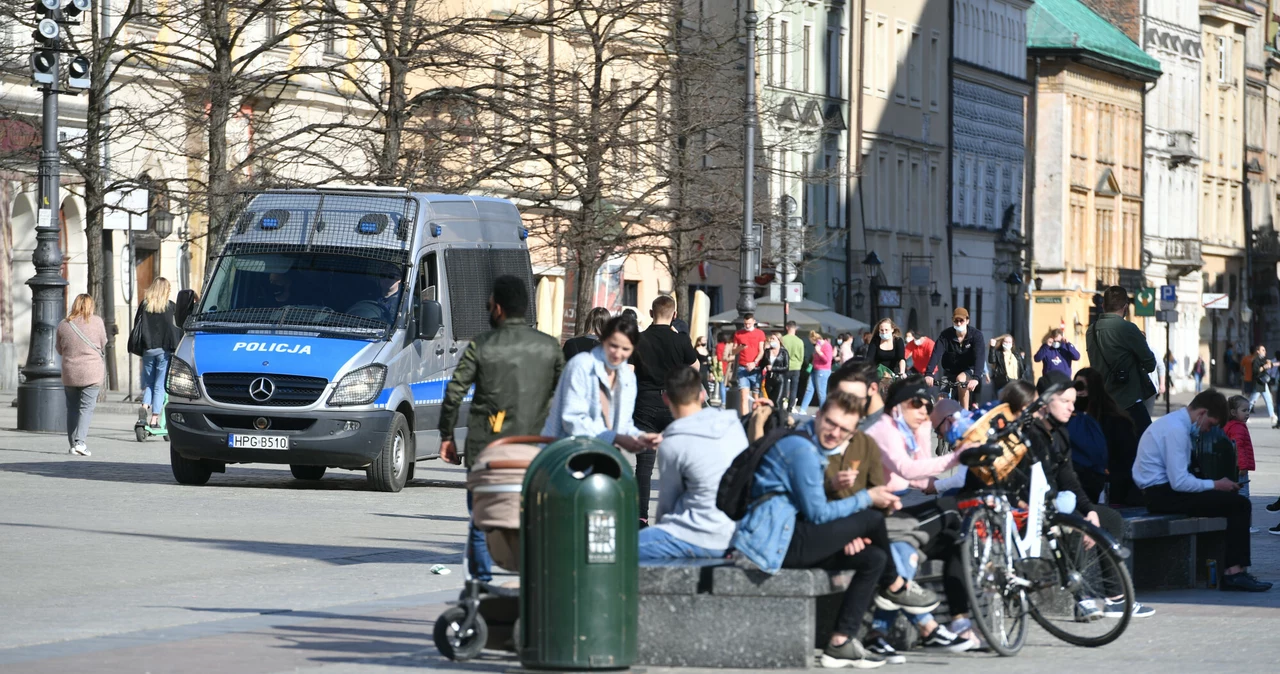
610 366
961 329
1008 346
773 345
885 335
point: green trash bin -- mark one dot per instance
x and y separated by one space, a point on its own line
579 559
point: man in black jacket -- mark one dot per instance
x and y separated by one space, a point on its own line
660 351
961 352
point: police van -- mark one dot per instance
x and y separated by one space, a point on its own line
330 327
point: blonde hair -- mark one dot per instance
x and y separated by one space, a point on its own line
82 308
156 300
1001 338
814 335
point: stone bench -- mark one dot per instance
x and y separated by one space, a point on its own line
709 613
1171 551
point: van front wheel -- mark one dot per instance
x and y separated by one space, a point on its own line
189 471
390 470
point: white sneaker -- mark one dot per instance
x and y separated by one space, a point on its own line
81 450
1254 530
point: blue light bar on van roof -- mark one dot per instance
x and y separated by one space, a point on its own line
436 230
372 223
270 223
524 233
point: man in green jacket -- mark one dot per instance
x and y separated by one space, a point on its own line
514 369
795 351
1119 351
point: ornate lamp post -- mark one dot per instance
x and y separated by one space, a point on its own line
872 264
1014 282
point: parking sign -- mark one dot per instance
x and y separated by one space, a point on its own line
1168 298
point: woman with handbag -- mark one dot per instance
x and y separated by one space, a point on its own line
81 340
154 337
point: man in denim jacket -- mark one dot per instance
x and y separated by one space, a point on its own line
790 524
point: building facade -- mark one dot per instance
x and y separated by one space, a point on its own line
1085 122
900 212
1264 258
988 153
1224 172
1170 32
803 76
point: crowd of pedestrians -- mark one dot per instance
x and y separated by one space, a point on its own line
828 489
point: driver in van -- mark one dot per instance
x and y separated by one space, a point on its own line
385 304
281 286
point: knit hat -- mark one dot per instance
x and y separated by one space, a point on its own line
1052 382
907 389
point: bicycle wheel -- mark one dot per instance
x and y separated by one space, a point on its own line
1077 567
997 604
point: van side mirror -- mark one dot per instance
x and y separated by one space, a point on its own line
432 320
185 304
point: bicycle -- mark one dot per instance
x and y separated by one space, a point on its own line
948 388
1036 561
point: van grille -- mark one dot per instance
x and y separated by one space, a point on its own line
232 388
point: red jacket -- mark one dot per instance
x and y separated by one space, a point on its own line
1239 433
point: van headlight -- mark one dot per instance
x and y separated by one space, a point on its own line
181 381
360 387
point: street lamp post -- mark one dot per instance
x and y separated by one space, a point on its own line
748 264
872 264
1014 282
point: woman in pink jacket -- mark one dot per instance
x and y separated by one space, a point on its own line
906 450
906 439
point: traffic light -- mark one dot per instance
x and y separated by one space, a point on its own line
77 7
44 65
78 73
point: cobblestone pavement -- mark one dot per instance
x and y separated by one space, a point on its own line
110 566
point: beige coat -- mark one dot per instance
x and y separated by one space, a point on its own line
82 365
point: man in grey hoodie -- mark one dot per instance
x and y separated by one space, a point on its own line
696 449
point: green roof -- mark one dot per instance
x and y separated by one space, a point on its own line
1068 25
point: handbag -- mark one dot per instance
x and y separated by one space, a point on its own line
137 344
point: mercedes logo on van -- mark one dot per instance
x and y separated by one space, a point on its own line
261 389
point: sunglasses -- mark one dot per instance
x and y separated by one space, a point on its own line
959 321
917 403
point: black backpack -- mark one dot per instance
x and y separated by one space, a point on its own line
734 495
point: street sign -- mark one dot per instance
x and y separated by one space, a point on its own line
1167 316
1168 298
792 292
1144 302
1215 301
125 209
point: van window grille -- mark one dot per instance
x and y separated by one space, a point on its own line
371 225
470 273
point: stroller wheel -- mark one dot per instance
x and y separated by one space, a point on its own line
455 646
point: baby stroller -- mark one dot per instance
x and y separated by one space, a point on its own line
486 614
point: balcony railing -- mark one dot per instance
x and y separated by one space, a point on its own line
1183 252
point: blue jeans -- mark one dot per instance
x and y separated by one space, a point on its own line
1199 381
481 564
1263 391
902 559
155 365
656 544
817 383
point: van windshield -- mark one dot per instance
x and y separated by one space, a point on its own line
329 292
